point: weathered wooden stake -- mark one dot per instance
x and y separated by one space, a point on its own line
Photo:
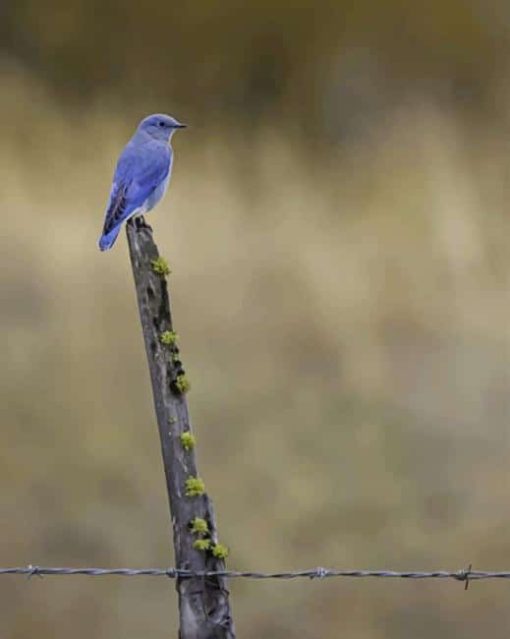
204 608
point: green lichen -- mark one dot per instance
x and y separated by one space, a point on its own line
172 419
168 338
194 487
198 526
220 551
160 266
175 358
202 544
188 440
182 384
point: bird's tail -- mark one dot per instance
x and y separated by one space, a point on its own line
106 241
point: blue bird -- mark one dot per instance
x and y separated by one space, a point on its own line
142 174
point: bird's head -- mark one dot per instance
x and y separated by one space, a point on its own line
160 126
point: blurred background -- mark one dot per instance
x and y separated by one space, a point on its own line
338 231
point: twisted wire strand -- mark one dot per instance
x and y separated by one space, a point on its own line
465 575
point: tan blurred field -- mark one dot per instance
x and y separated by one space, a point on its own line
344 318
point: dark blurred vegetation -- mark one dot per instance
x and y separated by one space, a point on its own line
338 231
311 62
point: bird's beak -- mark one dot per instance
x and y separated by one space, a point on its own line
181 126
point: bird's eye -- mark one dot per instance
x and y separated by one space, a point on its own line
161 123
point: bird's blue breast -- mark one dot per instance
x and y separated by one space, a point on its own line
158 193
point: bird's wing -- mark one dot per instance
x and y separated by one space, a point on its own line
140 170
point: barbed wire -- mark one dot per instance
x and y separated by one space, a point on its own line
465 575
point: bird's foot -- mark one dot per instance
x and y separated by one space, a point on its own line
140 223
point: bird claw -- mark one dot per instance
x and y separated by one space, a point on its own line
140 223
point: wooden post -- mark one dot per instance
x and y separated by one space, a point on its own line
204 610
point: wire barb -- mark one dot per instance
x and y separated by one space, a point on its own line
320 573
464 575
33 571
